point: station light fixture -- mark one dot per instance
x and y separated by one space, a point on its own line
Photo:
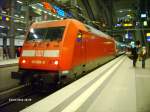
3 12
148 34
45 12
132 44
118 25
145 23
16 20
2 26
0 17
50 13
40 4
22 17
129 15
33 7
19 2
143 15
127 24
16 15
19 29
39 10
7 19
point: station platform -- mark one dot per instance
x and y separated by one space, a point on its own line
8 62
115 87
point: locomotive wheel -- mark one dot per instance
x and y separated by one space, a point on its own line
26 80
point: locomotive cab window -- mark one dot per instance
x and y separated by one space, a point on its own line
51 33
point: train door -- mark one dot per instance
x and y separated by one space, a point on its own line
83 51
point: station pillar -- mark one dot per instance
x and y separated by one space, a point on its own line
11 33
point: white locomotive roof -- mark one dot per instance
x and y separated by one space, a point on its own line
95 31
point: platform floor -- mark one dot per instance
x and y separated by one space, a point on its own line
8 62
126 90
6 67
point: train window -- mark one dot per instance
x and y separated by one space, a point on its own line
36 34
55 33
51 33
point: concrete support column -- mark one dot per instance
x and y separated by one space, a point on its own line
89 10
12 31
107 12
138 35
27 15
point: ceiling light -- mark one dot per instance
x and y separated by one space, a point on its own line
40 4
22 17
16 15
50 13
19 2
2 26
16 20
4 12
33 7
19 29
45 11
39 10
7 18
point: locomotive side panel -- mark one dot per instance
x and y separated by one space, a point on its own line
67 47
63 48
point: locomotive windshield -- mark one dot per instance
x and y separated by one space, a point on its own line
51 33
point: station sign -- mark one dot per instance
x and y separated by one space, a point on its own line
69 14
148 37
59 11
127 24
4 18
148 34
128 35
56 10
49 7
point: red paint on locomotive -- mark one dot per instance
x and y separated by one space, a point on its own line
79 47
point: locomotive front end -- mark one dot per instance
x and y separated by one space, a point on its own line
41 53
41 50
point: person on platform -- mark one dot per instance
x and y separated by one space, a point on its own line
143 56
134 52
18 51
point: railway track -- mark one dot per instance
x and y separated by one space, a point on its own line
18 98
6 97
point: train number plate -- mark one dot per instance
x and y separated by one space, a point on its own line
37 62
39 53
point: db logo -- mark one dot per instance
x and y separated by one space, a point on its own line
39 53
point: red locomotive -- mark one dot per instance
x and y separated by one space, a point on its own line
57 50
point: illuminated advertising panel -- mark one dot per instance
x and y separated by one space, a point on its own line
148 38
59 11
